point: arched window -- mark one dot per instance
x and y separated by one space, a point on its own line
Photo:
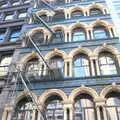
84 108
95 11
59 15
38 37
107 64
33 68
78 34
81 66
113 106
54 108
59 36
77 13
57 63
100 32
4 64
24 110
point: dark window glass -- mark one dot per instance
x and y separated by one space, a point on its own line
59 15
78 35
38 37
44 17
9 16
81 67
57 62
59 36
107 64
100 32
95 11
2 35
77 13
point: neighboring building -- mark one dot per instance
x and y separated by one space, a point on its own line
81 81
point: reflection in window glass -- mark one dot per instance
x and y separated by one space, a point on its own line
57 63
77 13
15 34
81 67
4 64
15 3
59 36
22 15
54 110
107 65
100 33
78 35
84 108
113 106
9 17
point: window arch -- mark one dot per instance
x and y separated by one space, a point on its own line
38 37
100 32
84 108
59 15
107 64
57 62
54 108
113 106
24 110
44 17
78 34
81 66
59 36
95 11
33 68
77 13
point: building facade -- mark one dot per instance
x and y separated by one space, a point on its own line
75 76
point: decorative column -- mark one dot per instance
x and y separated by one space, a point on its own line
110 32
68 106
97 66
92 66
100 102
87 34
7 114
66 39
34 114
71 68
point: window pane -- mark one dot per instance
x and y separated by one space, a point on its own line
2 35
4 64
9 17
22 15
78 36
95 12
15 35
99 34
81 67
107 65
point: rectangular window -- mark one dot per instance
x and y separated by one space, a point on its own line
15 3
2 5
9 17
2 35
22 15
15 34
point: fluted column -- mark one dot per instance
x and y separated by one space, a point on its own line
87 34
34 114
70 35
